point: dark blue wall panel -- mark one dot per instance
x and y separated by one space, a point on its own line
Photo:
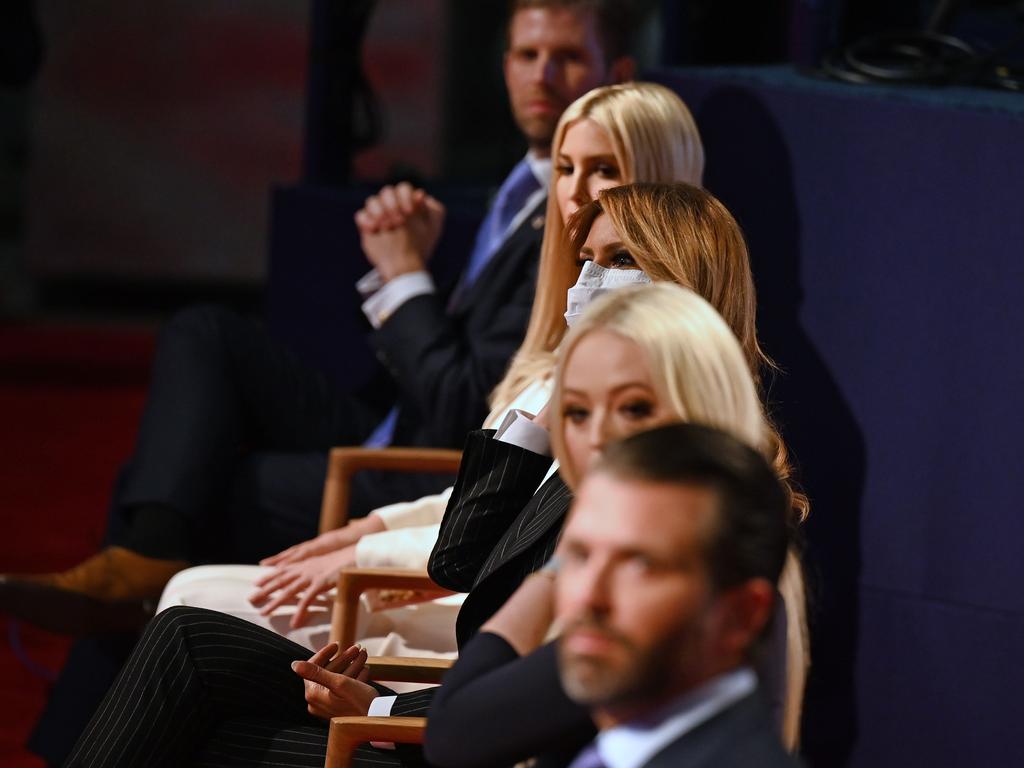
885 228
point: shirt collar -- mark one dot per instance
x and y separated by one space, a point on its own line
541 168
633 744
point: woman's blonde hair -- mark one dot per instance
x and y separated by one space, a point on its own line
699 369
696 364
654 138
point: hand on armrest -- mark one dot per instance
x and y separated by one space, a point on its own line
354 581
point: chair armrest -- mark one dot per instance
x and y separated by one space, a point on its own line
354 581
407 669
346 733
343 463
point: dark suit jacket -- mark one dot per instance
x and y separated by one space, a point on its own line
445 361
743 736
497 708
496 530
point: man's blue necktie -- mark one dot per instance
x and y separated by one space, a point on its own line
588 758
511 197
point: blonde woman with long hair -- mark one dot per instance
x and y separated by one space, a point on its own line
612 135
637 359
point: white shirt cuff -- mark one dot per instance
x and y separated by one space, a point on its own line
393 294
519 429
369 284
381 707
426 510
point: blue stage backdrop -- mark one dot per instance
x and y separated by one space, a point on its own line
885 227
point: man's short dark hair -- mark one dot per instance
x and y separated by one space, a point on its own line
750 536
615 19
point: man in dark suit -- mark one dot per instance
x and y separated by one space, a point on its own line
667 578
664 584
232 415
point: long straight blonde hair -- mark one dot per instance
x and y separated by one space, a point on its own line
654 138
701 372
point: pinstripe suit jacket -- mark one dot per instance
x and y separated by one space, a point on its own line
498 529
499 526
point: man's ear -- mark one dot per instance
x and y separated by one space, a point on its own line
746 609
622 70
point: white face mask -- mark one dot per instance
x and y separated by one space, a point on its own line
595 280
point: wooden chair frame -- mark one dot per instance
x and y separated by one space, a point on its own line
344 463
346 733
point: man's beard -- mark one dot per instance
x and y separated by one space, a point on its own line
539 129
644 674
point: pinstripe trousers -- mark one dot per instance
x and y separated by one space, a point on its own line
207 689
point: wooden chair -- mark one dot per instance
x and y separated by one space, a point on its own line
348 732
343 464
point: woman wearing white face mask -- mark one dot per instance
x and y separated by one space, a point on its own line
610 136
491 538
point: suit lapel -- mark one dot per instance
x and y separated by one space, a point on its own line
707 745
514 248
545 510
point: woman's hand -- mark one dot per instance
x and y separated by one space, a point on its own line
338 687
326 542
309 578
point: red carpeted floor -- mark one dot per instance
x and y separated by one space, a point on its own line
70 400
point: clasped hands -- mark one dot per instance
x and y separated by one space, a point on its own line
399 228
336 687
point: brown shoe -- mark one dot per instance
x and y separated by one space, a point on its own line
115 589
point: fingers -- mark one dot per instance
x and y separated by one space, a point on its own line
323 656
331 682
433 206
329 694
292 555
269 584
316 588
357 666
276 559
269 577
314 673
366 223
341 661
390 207
286 593
409 198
